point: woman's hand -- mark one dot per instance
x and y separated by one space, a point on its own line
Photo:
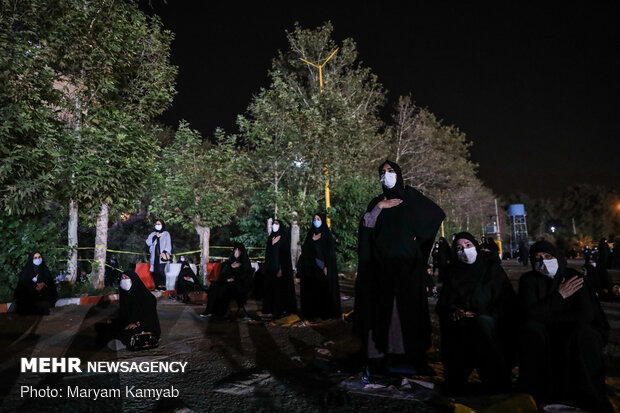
131 326
570 286
159 234
235 265
275 239
40 286
389 203
325 270
316 237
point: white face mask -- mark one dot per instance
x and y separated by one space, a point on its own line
158 227
548 267
126 284
275 227
388 180
467 255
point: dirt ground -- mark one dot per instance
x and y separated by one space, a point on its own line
244 364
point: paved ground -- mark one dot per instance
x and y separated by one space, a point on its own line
232 366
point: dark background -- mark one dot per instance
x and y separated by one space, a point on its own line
534 87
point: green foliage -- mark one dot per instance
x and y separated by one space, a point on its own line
350 200
295 133
198 183
26 235
83 79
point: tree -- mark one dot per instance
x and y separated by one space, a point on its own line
29 130
199 184
298 138
435 160
109 65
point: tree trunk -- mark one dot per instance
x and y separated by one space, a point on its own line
101 241
72 235
295 249
204 233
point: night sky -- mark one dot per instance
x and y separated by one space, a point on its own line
534 87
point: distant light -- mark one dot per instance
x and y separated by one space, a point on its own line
552 229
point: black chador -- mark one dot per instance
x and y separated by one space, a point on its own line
563 334
234 282
318 273
394 244
36 291
475 308
279 289
138 307
186 281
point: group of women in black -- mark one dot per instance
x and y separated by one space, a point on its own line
554 330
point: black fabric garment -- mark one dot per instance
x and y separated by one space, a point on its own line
480 342
562 339
615 256
279 286
444 254
392 262
232 284
27 299
524 252
491 249
319 292
183 286
603 260
112 273
600 280
137 306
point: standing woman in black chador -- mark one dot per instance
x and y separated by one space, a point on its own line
279 290
318 272
234 282
563 333
138 308
36 291
160 247
474 309
395 239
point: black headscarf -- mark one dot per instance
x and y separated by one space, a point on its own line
467 236
30 271
186 271
163 225
549 248
398 190
243 258
274 253
326 245
138 305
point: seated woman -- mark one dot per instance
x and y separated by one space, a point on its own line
138 308
318 272
563 333
36 291
234 282
473 306
186 282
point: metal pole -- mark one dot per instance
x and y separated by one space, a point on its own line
499 228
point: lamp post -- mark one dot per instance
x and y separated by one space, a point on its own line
320 67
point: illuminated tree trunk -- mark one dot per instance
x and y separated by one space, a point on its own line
101 241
